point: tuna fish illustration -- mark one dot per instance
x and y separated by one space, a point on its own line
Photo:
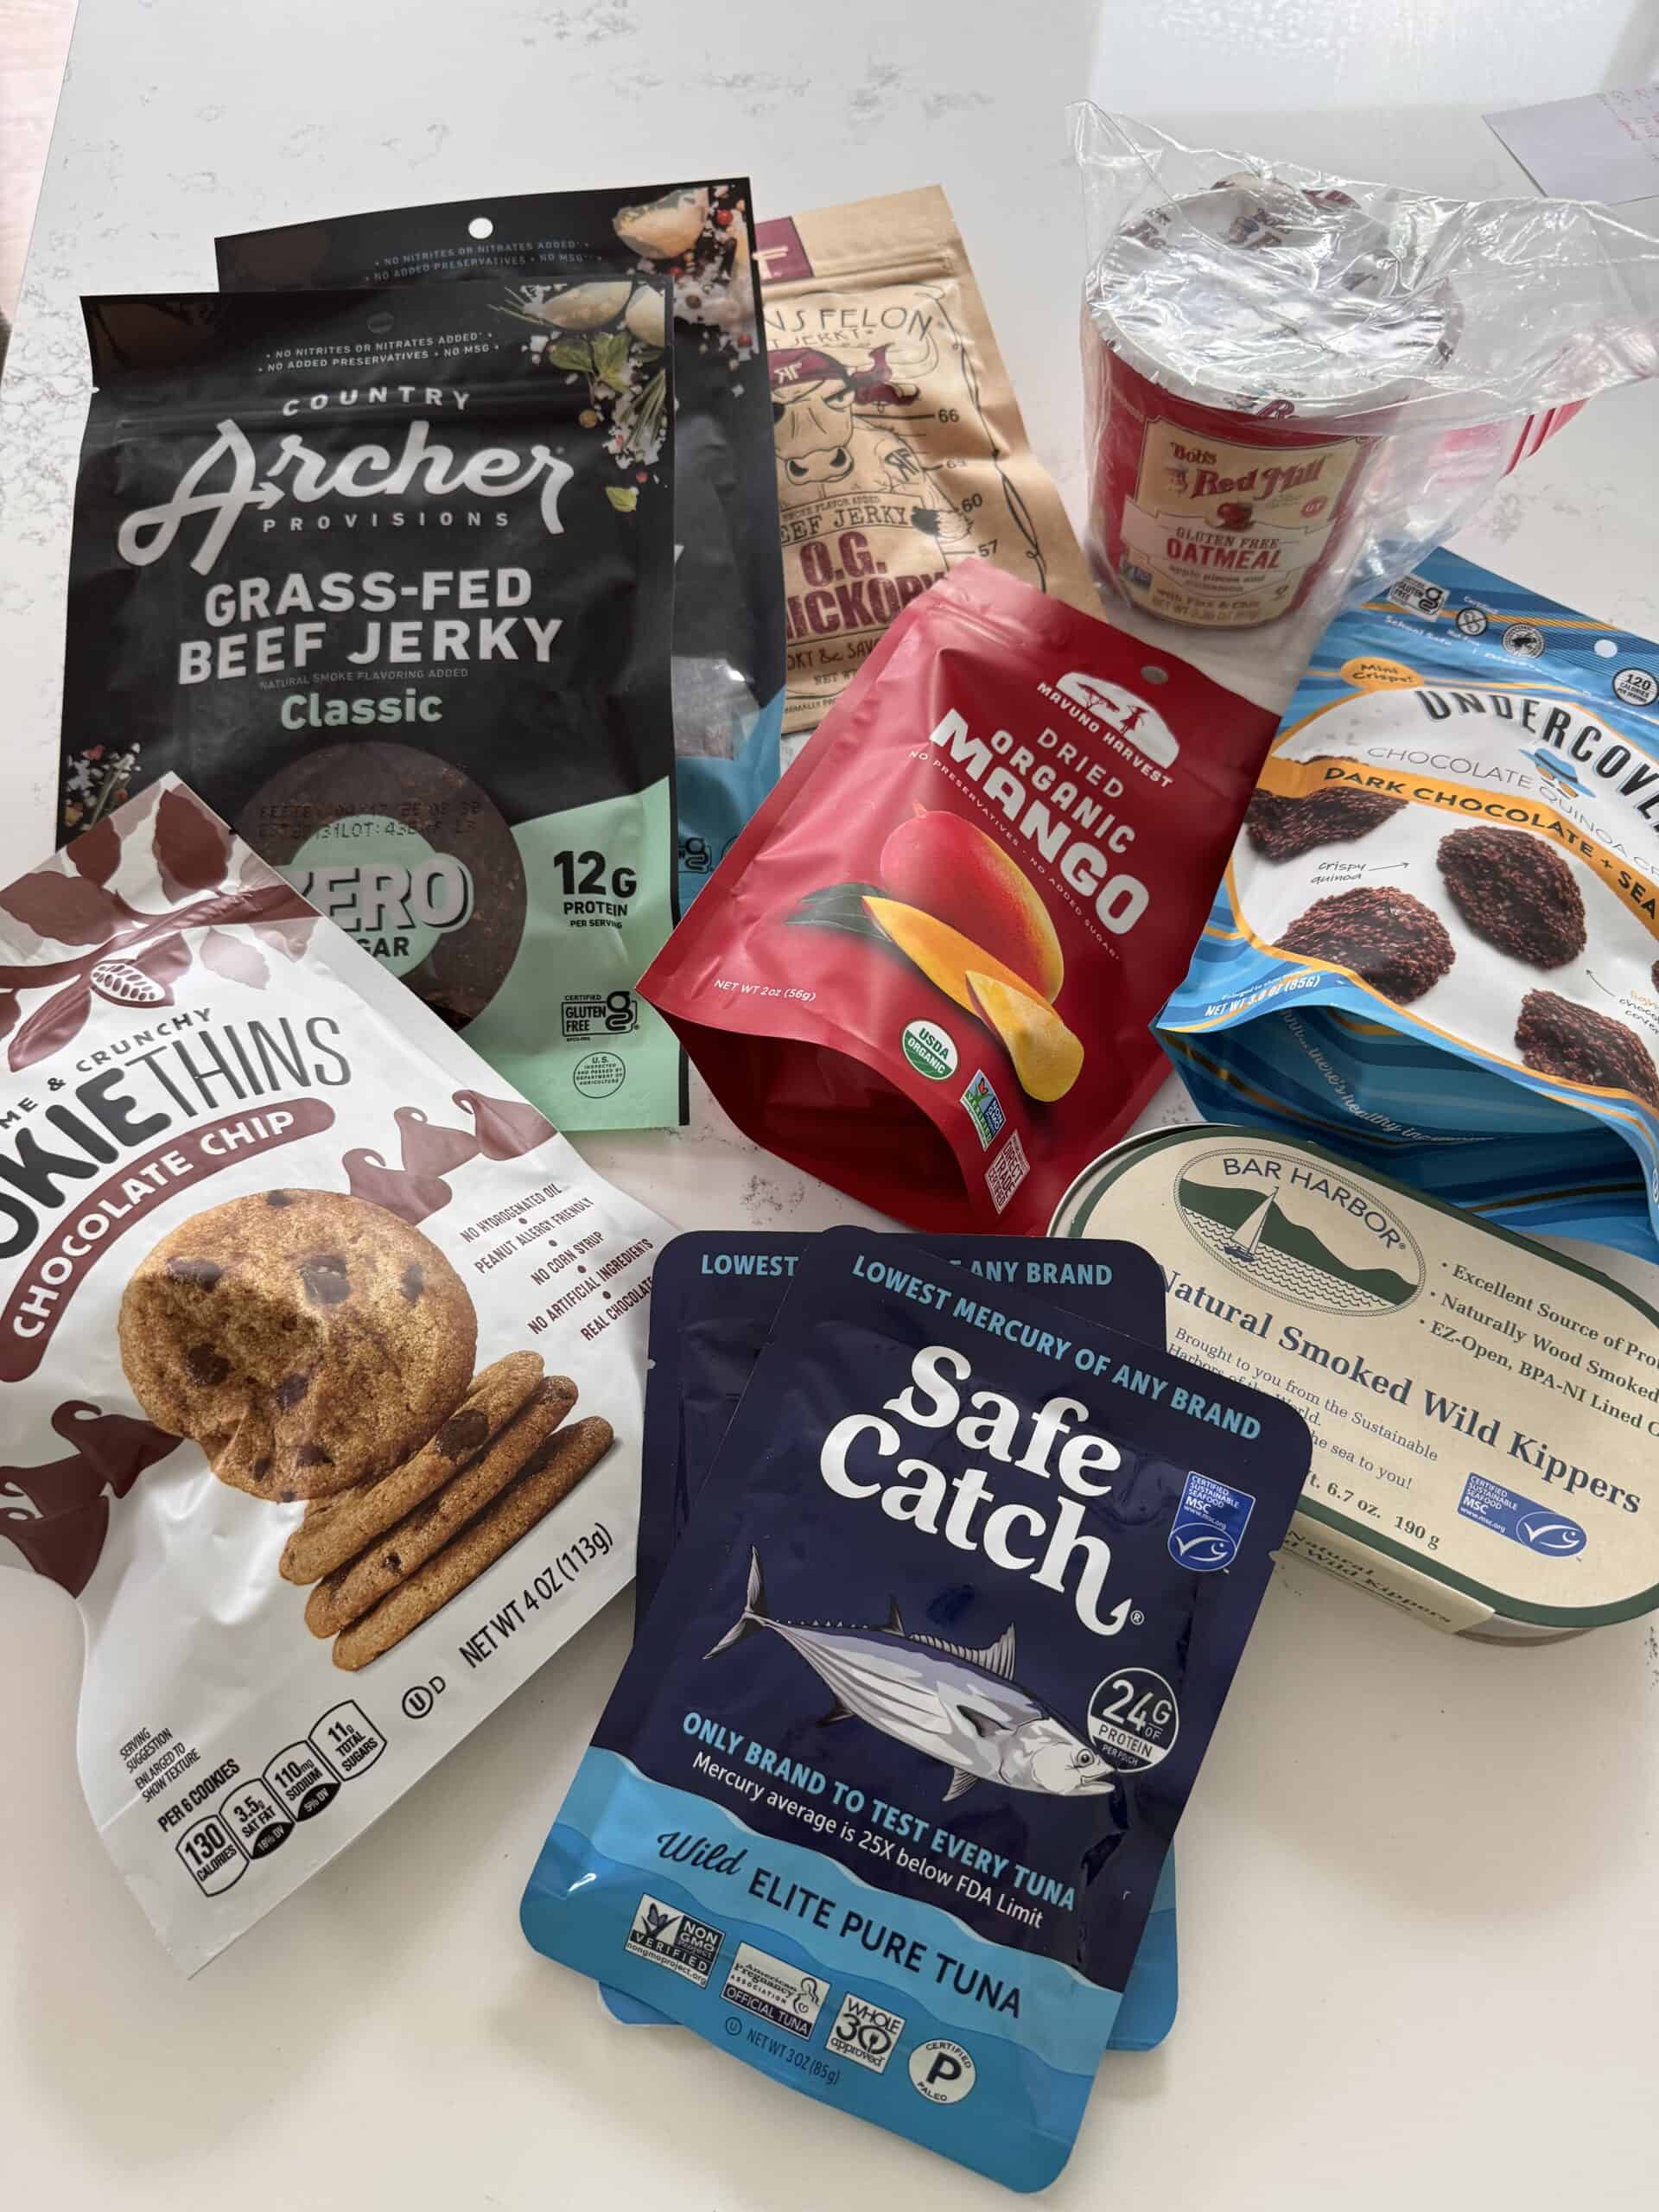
950 1703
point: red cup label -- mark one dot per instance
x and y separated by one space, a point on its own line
1225 534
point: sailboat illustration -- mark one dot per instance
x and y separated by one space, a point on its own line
1242 1245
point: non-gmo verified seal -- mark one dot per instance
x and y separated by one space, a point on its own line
930 1051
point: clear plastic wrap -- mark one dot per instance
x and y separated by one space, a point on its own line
1296 383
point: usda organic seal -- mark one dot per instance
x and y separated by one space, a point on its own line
930 1051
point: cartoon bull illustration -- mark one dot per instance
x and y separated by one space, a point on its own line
827 431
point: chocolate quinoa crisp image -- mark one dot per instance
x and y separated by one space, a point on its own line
1280 827
1517 891
1389 939
1555 1037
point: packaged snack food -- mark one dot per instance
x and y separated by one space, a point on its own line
926 969
531 249
290 1286
900 450
1017 1555
1483 1410
1435 944
715 1297
387 597
1296 383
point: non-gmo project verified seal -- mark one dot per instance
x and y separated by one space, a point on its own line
1209 1524
788 1996
984 1108
671 1938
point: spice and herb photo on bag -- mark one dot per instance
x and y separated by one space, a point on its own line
397 605
559 267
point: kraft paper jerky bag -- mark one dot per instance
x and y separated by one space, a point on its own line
1435 944
395 604
552 259
1016 1556
306 1398
926 970
715 1298
902 453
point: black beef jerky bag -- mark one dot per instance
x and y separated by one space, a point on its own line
397 604
534 250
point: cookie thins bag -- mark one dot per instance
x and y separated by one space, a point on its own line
321 1361
554 262
897 1756
1437 943
715 1298
394 601
902 453
926 970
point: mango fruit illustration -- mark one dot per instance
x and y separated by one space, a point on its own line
945 867
1047 1058
943 955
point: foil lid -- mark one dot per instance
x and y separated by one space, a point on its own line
1258 295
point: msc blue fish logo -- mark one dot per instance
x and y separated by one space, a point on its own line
1546 1532
950 1703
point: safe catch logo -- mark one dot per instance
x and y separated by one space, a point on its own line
1209 1524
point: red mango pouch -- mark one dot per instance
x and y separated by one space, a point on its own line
925 971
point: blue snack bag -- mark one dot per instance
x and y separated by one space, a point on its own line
881 1800
715 1296
1436 944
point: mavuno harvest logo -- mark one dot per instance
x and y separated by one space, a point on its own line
1106 705
297 471
1301 1230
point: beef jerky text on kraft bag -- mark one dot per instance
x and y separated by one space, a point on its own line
1014 1558
307 1401
556 258
395 604
901 450
926 969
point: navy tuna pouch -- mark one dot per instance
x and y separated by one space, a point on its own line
715 1296
880 1802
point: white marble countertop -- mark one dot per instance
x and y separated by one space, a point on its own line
1420 1924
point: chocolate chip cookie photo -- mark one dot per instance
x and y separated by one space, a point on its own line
1280 828
306 1340
1517 891
1386 937
1554 1037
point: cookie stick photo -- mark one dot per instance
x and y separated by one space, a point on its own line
573 1452
352 1589
336 1529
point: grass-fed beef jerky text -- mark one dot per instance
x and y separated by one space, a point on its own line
393 594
